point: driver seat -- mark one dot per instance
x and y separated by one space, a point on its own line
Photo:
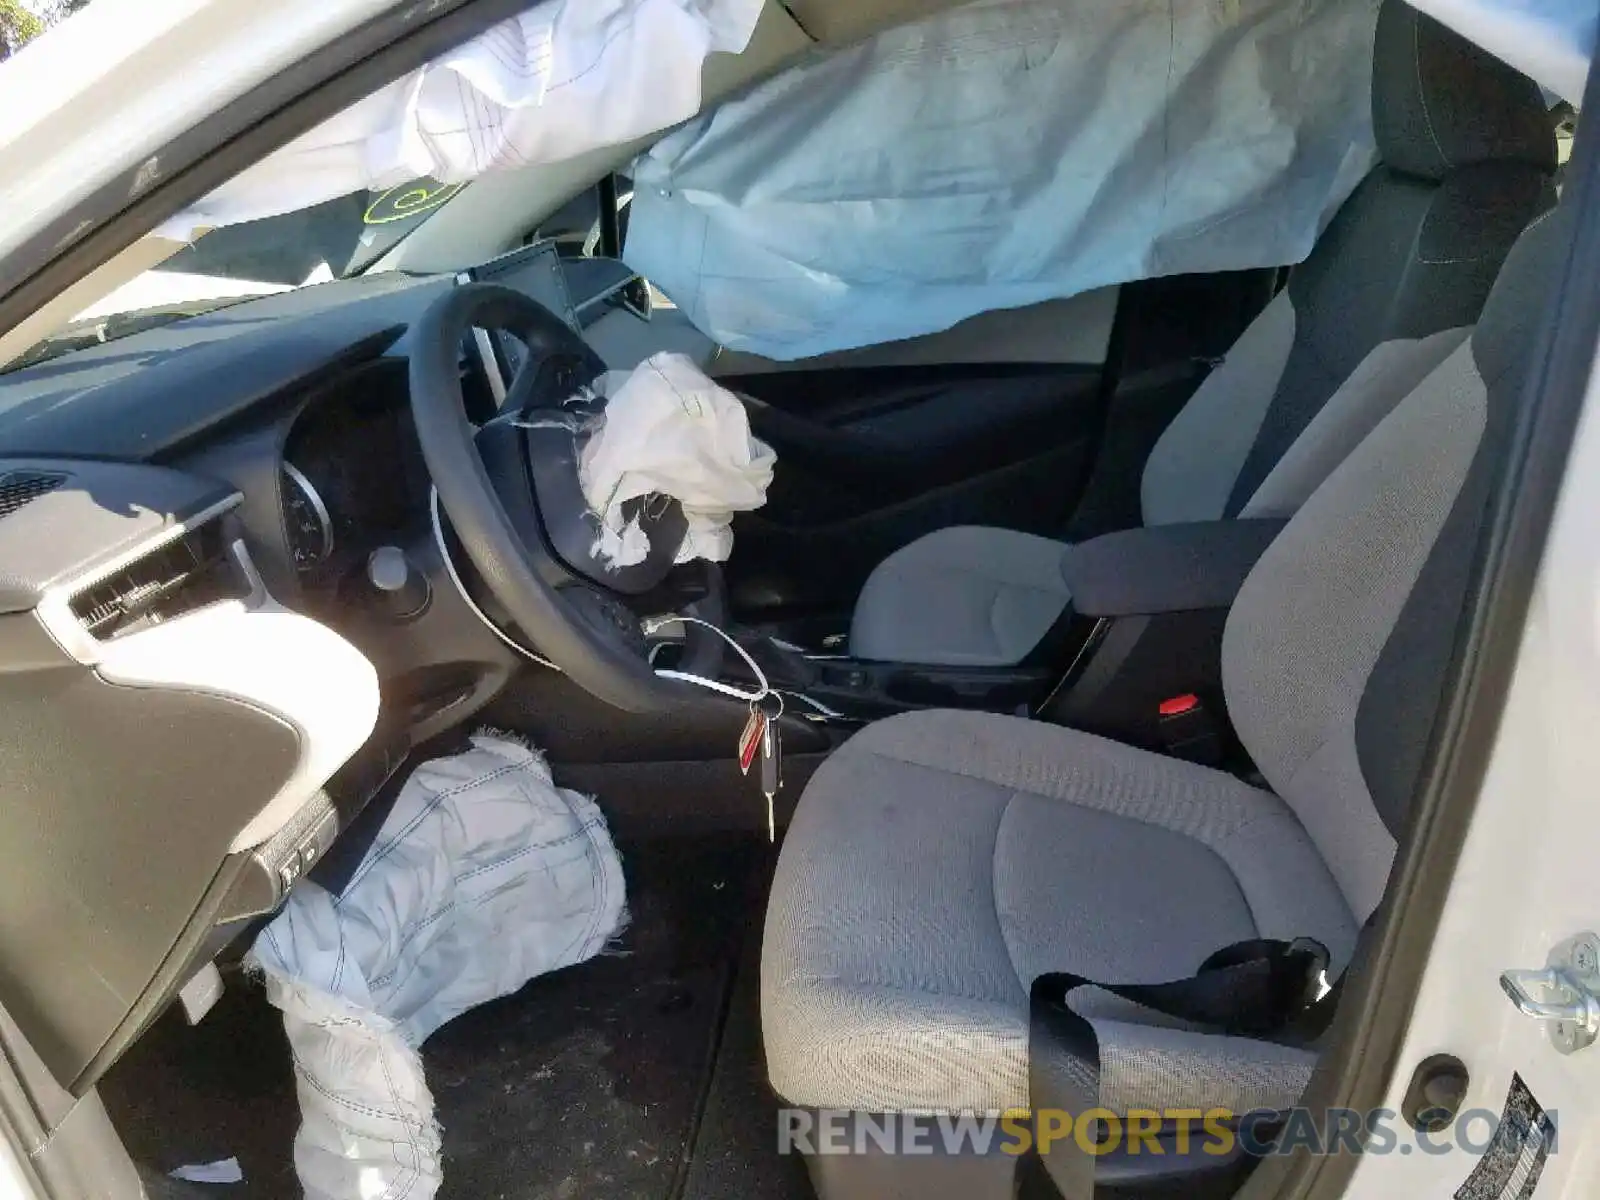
939 862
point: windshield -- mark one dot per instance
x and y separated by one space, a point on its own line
317 244
334 239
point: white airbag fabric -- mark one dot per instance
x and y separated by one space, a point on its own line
1550 41
1004 153
566 77
483 876
669 430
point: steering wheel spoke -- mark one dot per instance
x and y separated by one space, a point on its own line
551 383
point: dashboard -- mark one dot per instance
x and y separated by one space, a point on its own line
226 620
353 478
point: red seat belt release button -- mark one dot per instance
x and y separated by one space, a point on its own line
1188 731
1179 705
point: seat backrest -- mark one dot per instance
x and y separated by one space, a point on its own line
1337 648
1466 151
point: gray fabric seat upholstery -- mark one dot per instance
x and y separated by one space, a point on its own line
1391 288
939 862
999 850
976 596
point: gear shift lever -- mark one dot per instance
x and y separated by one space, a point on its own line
784 667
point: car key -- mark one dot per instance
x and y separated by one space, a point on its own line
771 771
751 738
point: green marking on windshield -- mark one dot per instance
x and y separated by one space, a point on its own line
409 200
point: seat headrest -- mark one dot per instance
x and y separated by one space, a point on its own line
1440 103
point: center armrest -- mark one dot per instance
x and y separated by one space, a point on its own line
1165 568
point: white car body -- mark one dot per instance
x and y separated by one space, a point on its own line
108 91
105 93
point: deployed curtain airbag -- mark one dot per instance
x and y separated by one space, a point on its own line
1004 153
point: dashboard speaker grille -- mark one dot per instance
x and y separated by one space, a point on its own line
180 577
23 487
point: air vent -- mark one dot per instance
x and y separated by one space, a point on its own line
181 577
23 487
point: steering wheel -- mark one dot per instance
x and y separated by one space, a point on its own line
513 497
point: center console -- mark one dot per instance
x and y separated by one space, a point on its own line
1138 646
1160 598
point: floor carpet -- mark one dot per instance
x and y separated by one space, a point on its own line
591 1081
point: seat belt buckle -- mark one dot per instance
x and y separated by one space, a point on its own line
1317 961
1188 731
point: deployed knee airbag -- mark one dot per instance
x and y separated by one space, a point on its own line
484 875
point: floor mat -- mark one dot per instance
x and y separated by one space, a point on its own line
587 1082
735 1153
223 1089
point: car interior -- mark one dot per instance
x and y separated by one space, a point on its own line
1111 632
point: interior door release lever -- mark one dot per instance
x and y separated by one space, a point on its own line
1565 995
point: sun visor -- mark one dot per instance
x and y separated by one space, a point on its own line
1005 153
1550 41
566 77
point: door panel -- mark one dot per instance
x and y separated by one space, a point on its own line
819 569
870 459
890 434
1036 419
1076 330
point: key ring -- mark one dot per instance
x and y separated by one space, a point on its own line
763 689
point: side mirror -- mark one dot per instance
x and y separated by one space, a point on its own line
638 299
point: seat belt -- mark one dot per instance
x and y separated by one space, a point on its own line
1259 988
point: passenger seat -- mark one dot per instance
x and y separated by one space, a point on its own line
1467 151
